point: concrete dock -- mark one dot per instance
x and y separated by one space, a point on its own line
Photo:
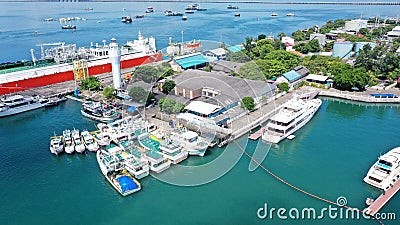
382 200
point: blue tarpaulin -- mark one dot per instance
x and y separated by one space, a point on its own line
131 109
192 61
126 183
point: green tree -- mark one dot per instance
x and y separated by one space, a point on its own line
170 106
364 31
302 47
261 36
284 86
314 46
346 77
140 95
168 86
299 35
328 46
248 103
90 83
239 57
148 74
108 92
281 34
250 70
289 60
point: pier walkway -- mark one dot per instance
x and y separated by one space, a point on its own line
382 200
75 99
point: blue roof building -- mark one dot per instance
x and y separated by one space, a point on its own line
342 49
192 61
292 76
235 48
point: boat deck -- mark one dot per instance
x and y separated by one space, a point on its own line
382 199
256 135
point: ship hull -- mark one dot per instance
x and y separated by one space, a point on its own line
94 68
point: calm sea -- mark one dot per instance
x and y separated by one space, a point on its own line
20 21
329 156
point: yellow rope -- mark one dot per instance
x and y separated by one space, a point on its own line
298 189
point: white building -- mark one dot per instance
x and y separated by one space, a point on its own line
320 37
395 33
355 25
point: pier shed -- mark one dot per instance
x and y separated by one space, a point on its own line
215 54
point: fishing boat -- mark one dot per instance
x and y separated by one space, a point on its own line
274 14
190 140
290 14
113 170
76 138
232 7
96 111
150 9
102 138
69 146
139 16
14 104
171 13
184 17
89 142
55 101
126 19
166 147
189 12
294 114
56 65
68 27
138 167
237 14
56 145
386 171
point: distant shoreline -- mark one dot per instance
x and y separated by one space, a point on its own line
228 2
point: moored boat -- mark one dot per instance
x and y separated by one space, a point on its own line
76 138
68 27
232 7
294 115
89 141
56 65
14 104
150 9
96 111
56 145
69 146
386 171
190 140
114 172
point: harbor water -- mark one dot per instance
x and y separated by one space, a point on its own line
329 156
22 27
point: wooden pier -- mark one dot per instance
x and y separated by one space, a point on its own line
382 200
256 135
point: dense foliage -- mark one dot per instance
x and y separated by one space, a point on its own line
170 106
151 74
140 95
108 92
248 103
168 86
90 83
284 86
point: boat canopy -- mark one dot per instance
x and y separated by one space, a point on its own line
126 183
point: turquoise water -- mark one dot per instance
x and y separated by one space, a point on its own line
20 21
329 157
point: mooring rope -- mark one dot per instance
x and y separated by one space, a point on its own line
299 189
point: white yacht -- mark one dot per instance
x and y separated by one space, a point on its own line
386 171
294 114
135 166
56 145
69 146
102 138
113 170
11 105
172 151
190 140
76 138
89 141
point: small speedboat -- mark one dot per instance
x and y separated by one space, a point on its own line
184 17
237 15
274 14
126 19
79 146
290 14
68 27
139 16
